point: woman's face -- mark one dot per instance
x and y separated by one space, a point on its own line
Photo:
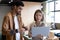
38 16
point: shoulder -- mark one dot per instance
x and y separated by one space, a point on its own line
32 24
43 24
6 16
9 14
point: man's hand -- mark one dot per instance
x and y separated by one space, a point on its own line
10 32
22 29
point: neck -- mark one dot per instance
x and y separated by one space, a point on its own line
13 12
37 22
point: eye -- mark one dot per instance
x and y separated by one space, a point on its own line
40 15
20 8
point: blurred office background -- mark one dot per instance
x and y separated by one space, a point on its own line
51 9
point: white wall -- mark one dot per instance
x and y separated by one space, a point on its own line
27 12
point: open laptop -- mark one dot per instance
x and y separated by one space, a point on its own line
40 30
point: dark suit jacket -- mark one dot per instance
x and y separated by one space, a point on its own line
8 25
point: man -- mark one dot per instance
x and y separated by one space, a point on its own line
12 23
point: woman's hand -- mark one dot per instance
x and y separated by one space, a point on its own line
30 35
39 36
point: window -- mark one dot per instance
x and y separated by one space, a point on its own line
49 14
53 11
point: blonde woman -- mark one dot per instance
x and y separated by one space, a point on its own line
38 22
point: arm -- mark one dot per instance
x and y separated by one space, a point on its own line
5 25
30 34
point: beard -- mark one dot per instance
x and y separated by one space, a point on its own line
19 13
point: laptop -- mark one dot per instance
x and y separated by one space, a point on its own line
40 30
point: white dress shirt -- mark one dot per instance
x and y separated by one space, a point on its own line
17 27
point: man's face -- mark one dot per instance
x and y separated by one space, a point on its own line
18 9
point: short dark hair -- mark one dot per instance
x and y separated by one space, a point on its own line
37 12
17 3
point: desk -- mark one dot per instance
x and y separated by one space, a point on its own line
55 32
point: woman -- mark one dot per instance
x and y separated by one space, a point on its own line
38 22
